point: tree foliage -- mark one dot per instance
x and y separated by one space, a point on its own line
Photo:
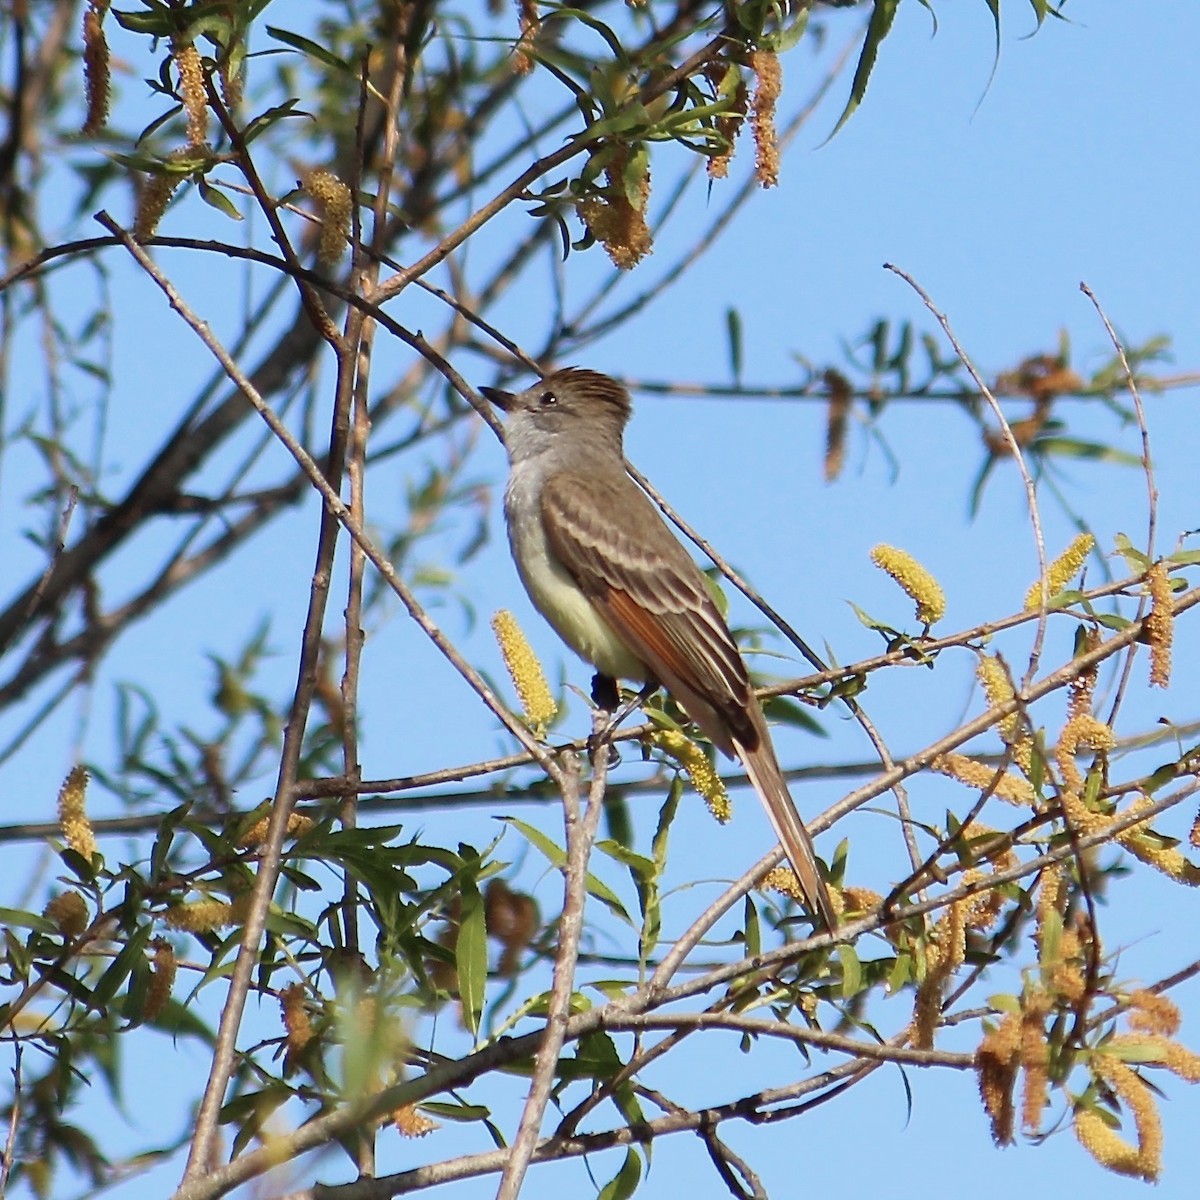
344 205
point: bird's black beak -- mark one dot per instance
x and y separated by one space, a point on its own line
501 399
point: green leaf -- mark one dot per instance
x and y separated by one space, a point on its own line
626 1180
733 327
901 974
752 927
15 918
851 971
558 859
783 710
789 36
1134 558
217 199
470 955
455 1112
882 15
310 48
121 967
265 120
1069 447
1005 1003
641 866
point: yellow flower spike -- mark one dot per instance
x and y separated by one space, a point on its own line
531 24
411 1122
96 71
192 91
1104 1144
528 678
205 916
699 768
996 1062
1010 788
726 79
68 913
615 221
916 582
769 85
1035 1058
334 204
998 689
297 826
1061 571
1160 624
72 817
1151 1012
162 979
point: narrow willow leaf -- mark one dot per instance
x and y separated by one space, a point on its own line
470 956
882 15
626 1180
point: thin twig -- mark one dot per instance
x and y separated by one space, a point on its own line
580 834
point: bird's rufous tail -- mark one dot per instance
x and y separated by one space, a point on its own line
763 769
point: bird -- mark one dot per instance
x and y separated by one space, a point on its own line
600 564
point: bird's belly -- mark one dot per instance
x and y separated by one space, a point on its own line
574 618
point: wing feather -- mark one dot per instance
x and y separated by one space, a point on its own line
650 591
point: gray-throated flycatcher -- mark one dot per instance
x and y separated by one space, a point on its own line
602 567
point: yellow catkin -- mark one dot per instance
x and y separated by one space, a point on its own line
1035 1058
297 826
68 913
528 678
192 91
1010 788
1160 624
1166 859
1194 833
411 1122
998 689
205 916
1061 571
768 86
996 1063
917 583
699 768
943 952
859 900
1107 1147
1150 1012
97 77
162 978
726 79
72 815
293 1005
530 24
334 206
618 224
1081 732
156 194
784 881
152 203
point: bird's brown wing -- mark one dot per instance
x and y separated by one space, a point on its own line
654 597
647 588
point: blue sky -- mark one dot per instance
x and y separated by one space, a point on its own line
1077 162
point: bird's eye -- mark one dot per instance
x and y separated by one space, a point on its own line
547 399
